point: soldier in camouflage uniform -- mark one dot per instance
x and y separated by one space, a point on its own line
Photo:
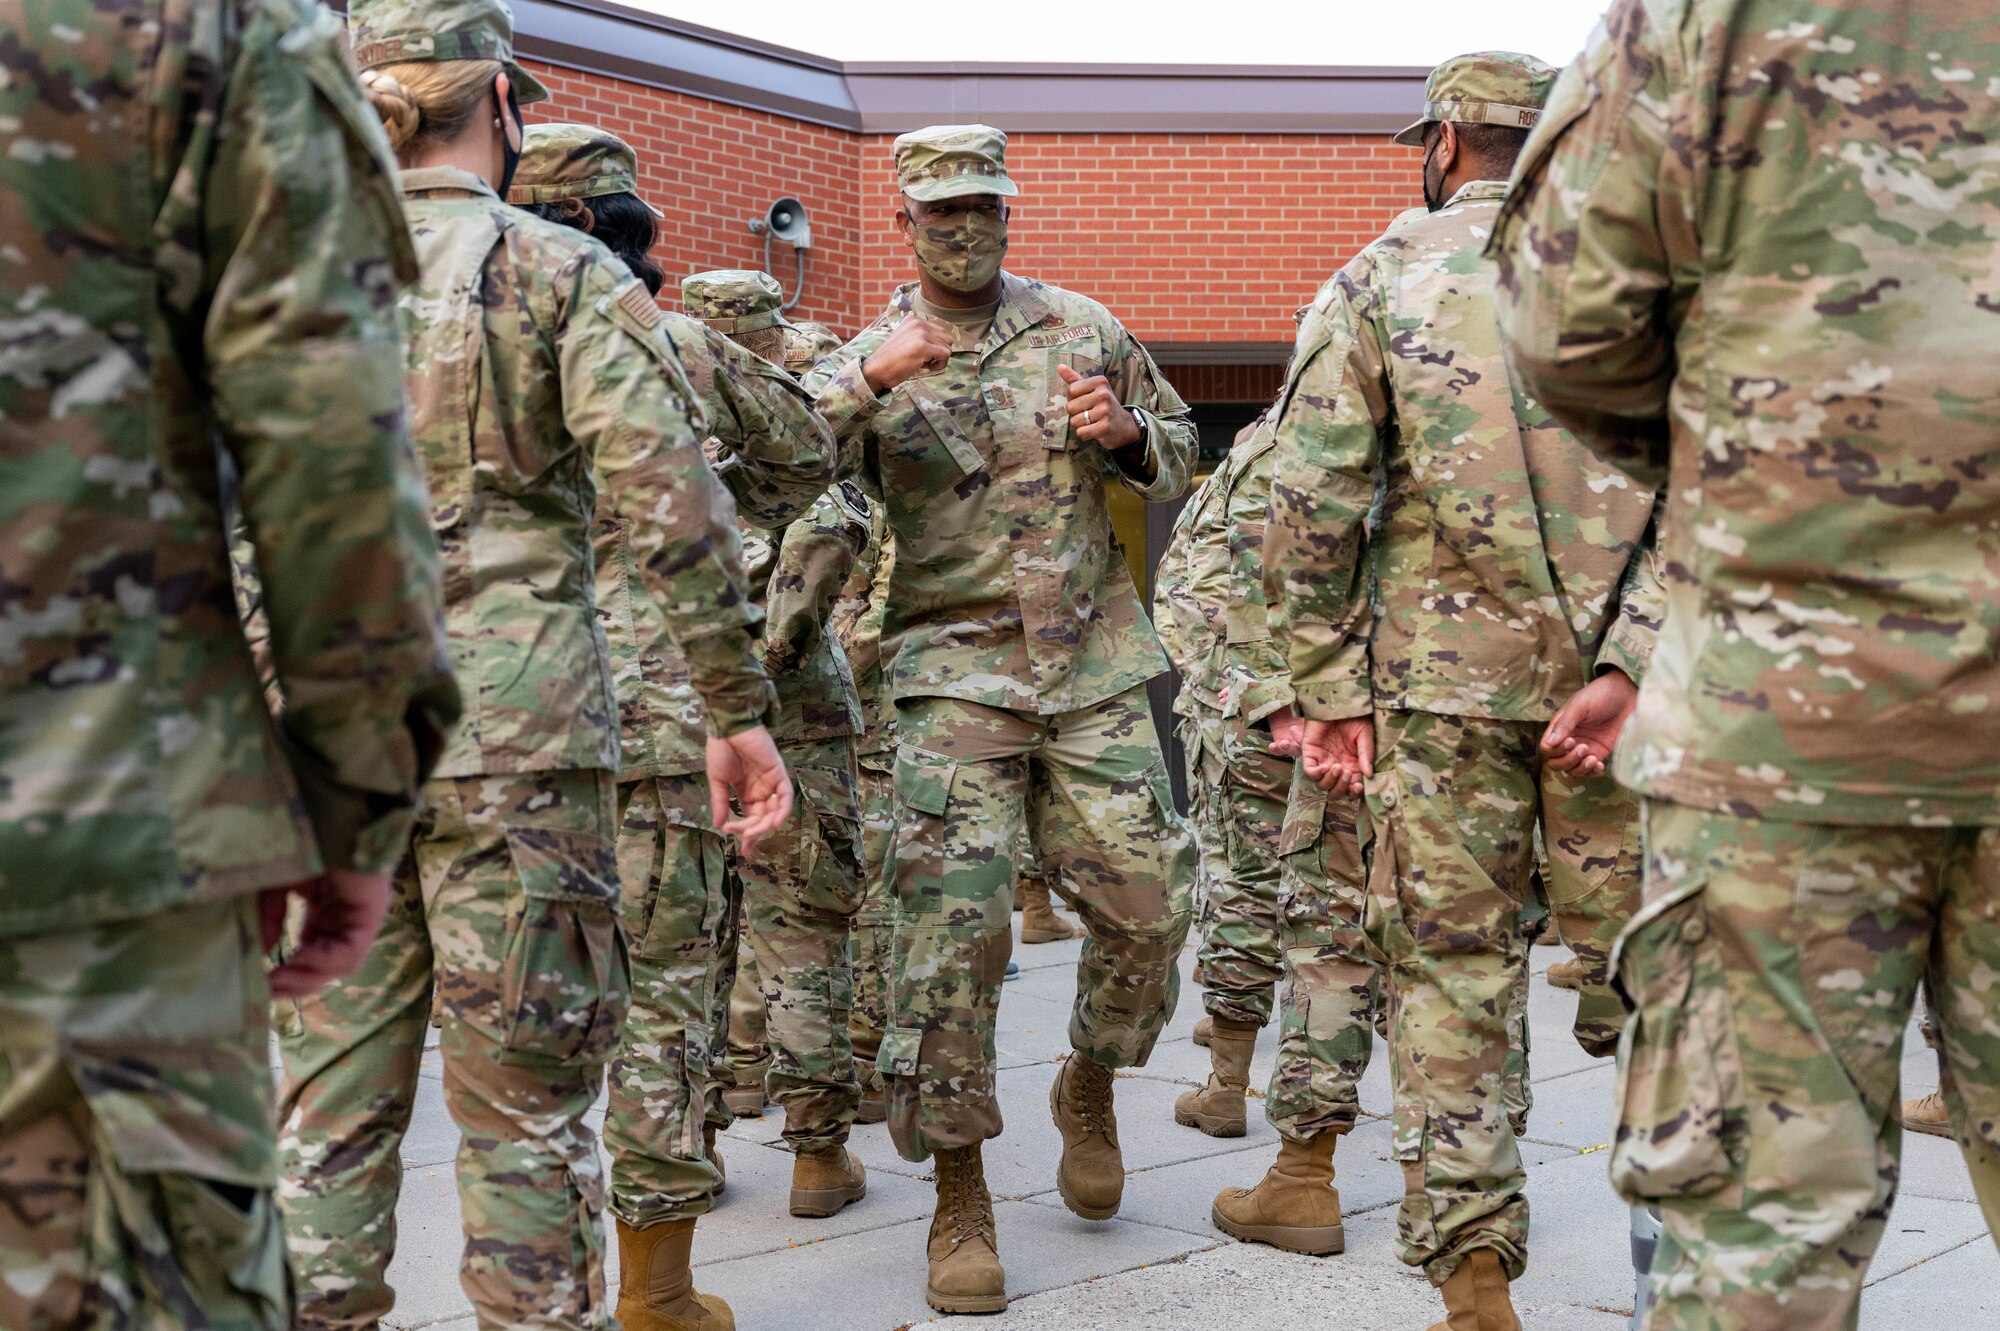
1777 306
1286 884
857 622
994 411
154 815
1507 569
802 887
775 457
1239 962
533 364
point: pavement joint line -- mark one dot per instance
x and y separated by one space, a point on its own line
1932 1196
1925 1261
1595 1066
1205 1232
1174 1259
1221 1154
1562 1146
809 1243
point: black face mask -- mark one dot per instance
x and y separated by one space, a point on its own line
510 156
1433 194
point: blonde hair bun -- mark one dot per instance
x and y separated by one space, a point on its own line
401 116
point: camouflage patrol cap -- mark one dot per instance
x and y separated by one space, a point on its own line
1485 88
940 161
734 300
574 162
392 32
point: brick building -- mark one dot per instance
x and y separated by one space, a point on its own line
1203 205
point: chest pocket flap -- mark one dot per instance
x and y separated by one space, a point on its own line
945 426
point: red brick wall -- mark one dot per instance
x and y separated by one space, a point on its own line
711 168
1186 237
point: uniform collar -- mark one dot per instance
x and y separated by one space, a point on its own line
1021 308
1478 191
435 179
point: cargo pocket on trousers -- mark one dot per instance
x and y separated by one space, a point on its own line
902 1046
1681 1120
227 1245
923 798
187 1183
831 864
685 908
566 978
1416 1222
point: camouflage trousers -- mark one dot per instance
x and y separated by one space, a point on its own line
1452 812
1333 985
875 922
506 902
746 1052
679 911
1772 972
1091 785
801 888
1236 793
137 1154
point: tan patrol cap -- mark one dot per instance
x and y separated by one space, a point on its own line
574 162
393 32
941 161
734 300
1485 88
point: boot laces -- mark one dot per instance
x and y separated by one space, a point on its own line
1093 1097
964 1205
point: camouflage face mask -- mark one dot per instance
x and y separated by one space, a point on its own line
963 252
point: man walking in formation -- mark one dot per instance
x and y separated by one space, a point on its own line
1496 597
154 815
509 899
1778 309
1284 880
774 456
992 411
802 886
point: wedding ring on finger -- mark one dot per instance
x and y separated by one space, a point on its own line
1086 415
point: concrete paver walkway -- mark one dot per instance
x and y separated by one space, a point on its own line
1160 1264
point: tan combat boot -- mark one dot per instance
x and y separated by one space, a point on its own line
655 1287
1039 921
1091 1173
825 1181
1204 1031
745 1101
1217 1108
714 1157
965 1271
1476 1298
1295 1207
1927 1114
1567 974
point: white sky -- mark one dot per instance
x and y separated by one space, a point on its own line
1250 32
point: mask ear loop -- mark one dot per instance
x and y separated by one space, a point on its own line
510 156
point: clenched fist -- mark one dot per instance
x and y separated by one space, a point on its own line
918 346
1095 414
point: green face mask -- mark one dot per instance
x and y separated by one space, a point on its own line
964 252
